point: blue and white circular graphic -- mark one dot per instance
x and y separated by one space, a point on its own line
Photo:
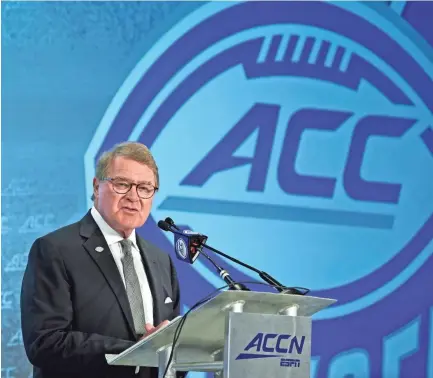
303 146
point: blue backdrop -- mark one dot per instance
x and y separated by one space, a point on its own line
297 135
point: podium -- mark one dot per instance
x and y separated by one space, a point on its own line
236 334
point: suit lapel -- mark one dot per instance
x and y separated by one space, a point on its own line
152 269
105 261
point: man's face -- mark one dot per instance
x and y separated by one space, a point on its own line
124 212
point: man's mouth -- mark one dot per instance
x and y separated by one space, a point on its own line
130 209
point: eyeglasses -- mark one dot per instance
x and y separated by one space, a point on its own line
122 186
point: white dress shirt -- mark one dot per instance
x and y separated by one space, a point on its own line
113 238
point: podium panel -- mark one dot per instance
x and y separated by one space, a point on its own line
274 346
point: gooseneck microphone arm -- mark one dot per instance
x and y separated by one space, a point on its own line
263 275
225 275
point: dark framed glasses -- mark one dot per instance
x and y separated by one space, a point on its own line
123 186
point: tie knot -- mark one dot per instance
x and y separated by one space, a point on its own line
126 245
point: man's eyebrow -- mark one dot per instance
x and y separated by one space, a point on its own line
138 183
121 178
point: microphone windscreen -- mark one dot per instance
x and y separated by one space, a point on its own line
163 225
171 223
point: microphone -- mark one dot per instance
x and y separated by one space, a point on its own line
189 244
171 223
164 225
263 275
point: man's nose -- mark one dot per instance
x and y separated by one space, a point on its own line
132 194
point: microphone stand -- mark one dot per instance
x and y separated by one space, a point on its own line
225 275
263 275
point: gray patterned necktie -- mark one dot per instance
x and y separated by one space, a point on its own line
133 287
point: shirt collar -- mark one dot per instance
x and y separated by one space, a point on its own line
111 236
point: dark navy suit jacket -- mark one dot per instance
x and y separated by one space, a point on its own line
74 307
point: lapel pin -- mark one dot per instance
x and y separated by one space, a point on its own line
99 249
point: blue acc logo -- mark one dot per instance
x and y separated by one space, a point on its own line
268 345
310 137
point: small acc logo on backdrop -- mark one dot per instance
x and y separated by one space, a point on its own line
309 139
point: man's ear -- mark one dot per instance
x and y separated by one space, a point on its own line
95 187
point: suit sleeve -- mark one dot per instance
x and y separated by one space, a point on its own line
47 315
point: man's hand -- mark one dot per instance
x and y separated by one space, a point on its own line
150 328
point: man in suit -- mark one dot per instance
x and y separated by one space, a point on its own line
95 287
